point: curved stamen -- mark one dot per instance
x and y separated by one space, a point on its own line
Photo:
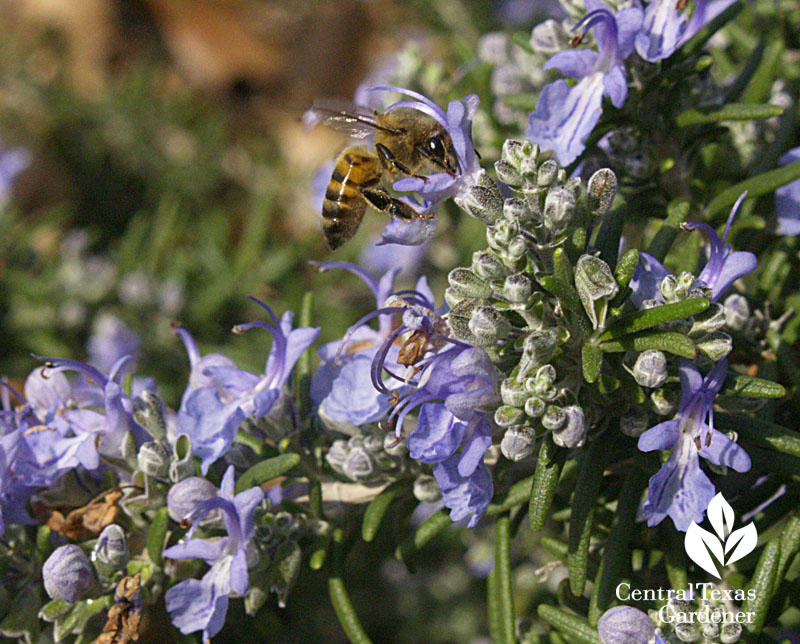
378 361
189 343
389 310
274 369
62 364
359 272
269 311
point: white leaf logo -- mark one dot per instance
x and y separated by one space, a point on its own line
701 544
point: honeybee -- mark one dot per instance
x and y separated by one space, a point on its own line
406 142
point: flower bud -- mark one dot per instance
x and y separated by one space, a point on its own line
715 345
516 210
518 288
737 311
596 287
426 489
535 407
513 392
506 416
182 463
67 574
730 633
359 464
148 411
559 206
488 325
468 284
112 547
518 443
710 320
153 459
186 495
373 443
393 445
488 265
483 200
600 191
674 289
528 167
687 632
507 173
711 627
544 379
452 297
650 369
284 570
554 417
571 433
539 346
663 401
547 173
634 422
515 151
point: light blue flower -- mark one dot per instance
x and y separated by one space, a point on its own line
67 574
565 116
627 625
201 605
787 199
723 266
680 489
221 395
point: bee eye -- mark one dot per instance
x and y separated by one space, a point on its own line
436 147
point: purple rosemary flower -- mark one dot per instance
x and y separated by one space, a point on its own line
565 116
457 122
667 25
680 489
450 385
111 340
787 199
723 268
67 574
12 162
201 605
341 388
220 396
627 625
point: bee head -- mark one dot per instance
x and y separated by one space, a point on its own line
438 149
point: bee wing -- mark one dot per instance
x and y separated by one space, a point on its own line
355 120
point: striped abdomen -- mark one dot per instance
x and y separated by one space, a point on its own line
344 205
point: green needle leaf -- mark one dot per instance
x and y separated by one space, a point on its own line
744 386
761 184
340 599
569 298
669 341
677 212
377 508
427 531
266 471
517 495
577 629
157 535
502 587
729 112
545 480
581 522
592 361
648 318
762 583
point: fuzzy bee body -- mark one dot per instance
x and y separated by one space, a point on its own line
406 142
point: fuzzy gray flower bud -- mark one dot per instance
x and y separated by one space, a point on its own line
515 151
687 632
483 200
426 489
716 345
674 289
730 633
518 443
737 311
393 445
185 496
554 418
360 464
547 174
488 265
468 284
153 459
539 346
559 206
67 574
663 401
572 432
650 369
600 191
506 416
712 319
513 392
507 173
488 325
148 411
518 288
535 407
596 287
634 422
112 547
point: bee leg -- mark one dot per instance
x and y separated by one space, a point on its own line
388 160
383 201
